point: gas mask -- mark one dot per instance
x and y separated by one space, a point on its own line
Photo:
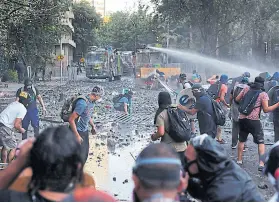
187 166
197 93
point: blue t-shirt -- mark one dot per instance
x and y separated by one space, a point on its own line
85 111
123 100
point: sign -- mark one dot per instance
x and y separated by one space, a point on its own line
107 19
60 57
82 60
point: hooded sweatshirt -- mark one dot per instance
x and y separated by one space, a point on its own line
222 180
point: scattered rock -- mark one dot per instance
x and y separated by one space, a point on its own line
263 186
114 179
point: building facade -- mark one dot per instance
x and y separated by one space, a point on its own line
100 6
67 44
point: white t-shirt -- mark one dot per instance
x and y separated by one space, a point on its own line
11 113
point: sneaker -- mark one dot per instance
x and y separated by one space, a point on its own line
239 162
222 141
234 147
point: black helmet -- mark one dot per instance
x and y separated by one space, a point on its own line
27 82
246 74
183 76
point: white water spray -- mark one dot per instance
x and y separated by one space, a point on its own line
222 66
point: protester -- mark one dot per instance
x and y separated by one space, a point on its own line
56 163
221 99
163 125
271 169
251 123
213 79
28 96
214 177
81 118
204 110
122 102
196 78
11 117
157 175
184 82
234 109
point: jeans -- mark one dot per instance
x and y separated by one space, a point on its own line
84 146
32 116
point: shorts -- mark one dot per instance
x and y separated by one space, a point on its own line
247 126
7 138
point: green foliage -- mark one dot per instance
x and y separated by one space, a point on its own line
127 31
10 76
85 23
31 28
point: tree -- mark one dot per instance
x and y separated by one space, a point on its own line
32 28
127 31
85 23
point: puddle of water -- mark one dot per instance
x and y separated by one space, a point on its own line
110 161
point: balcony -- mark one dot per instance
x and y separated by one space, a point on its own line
69 41
68 23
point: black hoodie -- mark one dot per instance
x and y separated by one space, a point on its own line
222 180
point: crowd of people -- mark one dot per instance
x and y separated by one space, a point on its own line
184 165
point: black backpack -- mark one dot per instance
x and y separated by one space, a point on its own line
180 128
214 90
248 102
236 92
218 113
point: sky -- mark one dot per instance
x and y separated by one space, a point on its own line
120 5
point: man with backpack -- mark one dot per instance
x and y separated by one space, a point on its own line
251 100
173 126
81 117
204 110
234 109
28 96
122 102
218 92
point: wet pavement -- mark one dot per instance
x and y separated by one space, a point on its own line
119 140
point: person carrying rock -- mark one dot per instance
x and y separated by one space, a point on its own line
204 110
251 100
10 118
122 102
157 175
81 118
214 177
28 96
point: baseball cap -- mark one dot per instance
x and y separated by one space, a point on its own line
98 91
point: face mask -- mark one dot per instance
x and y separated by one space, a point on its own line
271 179
197 94
187 166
